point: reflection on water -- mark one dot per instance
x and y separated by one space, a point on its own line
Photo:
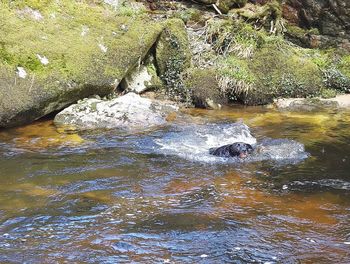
111 198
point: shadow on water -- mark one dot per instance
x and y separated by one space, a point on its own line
159 197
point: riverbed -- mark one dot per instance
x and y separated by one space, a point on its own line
114 197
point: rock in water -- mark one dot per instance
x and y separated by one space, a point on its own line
128 112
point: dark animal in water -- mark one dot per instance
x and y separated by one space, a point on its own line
237 149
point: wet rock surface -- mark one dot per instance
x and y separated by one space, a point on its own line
128 112
315 104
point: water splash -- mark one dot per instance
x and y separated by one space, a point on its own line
193 143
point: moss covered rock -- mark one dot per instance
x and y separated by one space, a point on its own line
255 67
272 72
225 5
173 56
204 88
67 51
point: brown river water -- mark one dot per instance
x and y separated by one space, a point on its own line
111 197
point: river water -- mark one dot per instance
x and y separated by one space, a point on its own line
158 197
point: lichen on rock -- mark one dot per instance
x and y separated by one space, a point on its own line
130 112
79 64
204 88
141 78
173 57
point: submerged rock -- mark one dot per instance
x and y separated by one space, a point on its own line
128 112
314 104
279 149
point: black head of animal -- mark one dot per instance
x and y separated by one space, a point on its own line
237 149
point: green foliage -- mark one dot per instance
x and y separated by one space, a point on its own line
334 78
130 11
344 65
34 4
275 70
328 93
226 5
236 37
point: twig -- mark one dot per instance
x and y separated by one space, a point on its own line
217 9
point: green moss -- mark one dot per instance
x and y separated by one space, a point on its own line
236 37
130 11
226 5
335 79
155 82
274 71
173 57
334 67
71 35
267 15
300 36
328 93
344 65
89 48
203 87
188 14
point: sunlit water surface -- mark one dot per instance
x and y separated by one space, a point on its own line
158 197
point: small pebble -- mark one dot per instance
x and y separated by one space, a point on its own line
285 187
104 49
311 240
43 59
21 72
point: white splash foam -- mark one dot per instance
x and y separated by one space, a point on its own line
193 143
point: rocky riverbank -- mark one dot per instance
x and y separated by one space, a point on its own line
203 54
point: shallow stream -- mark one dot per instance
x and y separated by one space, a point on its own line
158 197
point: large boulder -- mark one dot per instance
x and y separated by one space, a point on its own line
254 68
313 104
52 55
173 56
130 112
330 17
